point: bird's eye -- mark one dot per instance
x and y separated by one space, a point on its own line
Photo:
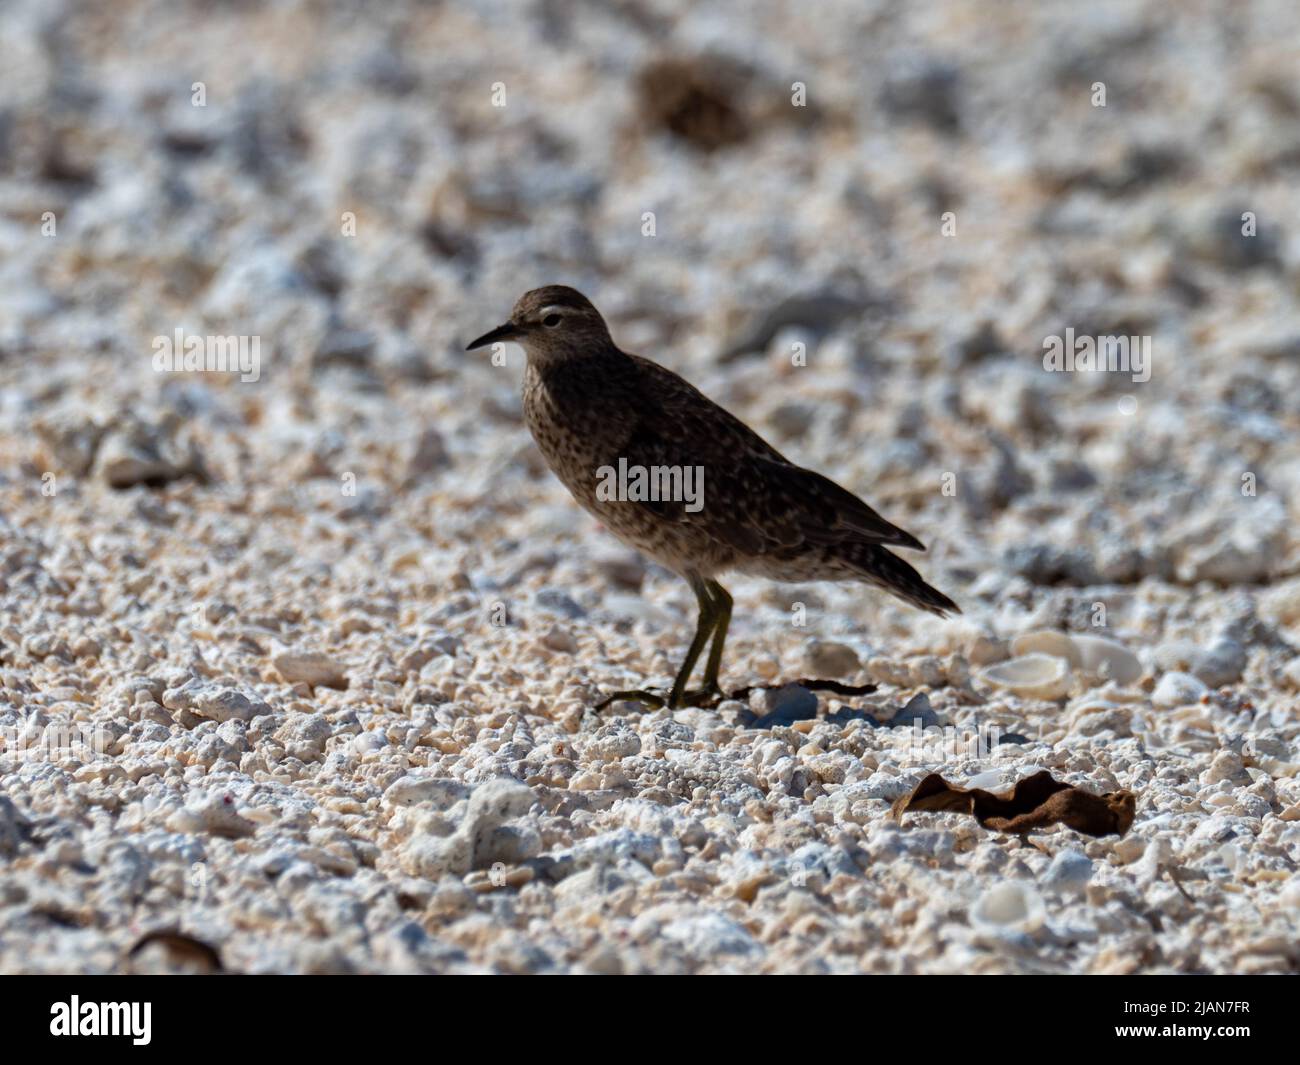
551 321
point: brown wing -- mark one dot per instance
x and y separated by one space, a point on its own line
753 498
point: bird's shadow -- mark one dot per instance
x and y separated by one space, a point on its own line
784 716
833 686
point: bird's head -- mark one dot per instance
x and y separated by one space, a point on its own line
552 323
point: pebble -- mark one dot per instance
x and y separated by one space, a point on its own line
559 602
987 651
440 793
706 936
918 712
310 667
215 814
784 705
15 827
1178 689
560 639
1291 674
826 658
216 703
429 456
1221 664
135 452
1007 908
1070 871
1227 765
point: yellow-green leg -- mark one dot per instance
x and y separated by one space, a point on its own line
710 692
703 629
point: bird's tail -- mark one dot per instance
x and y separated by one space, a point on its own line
875 564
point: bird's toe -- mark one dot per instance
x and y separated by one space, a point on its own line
635 695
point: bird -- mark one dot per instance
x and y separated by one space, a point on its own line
614 427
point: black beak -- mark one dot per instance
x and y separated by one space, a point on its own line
502 332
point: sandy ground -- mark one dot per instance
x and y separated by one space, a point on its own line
303 667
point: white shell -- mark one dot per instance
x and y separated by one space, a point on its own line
1047 642
1093 655
1008 908
1108 658
1033 676
1178 689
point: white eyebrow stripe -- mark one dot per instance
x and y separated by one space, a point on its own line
554 308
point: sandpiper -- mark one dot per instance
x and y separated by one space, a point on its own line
593 408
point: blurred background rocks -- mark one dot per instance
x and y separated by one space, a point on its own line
912 197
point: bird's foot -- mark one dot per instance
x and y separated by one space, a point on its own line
634 695
706 697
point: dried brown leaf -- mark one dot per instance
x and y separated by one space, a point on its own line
1036 802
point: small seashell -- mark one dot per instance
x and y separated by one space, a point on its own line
1008 908
1178 689
1108 659
1032 676
1046 642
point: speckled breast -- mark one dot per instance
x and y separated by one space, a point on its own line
577 444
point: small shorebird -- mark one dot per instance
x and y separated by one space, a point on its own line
597 412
